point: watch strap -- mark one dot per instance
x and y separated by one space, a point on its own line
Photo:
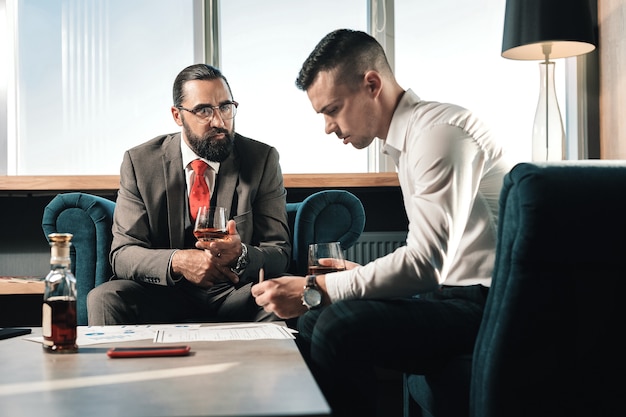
311 287
310 281
242 261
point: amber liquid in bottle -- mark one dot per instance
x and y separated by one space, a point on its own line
59 301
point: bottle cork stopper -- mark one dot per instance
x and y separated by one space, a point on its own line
60 246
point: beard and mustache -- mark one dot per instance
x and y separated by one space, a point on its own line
205 146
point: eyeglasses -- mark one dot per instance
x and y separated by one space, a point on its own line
204 114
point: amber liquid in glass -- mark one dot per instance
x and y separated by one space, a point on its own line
210 234
323 269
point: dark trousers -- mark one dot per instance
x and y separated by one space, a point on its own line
129 302
346 341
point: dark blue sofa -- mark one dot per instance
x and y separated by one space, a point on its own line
326 216
550 342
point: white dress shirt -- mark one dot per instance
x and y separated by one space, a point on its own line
450 170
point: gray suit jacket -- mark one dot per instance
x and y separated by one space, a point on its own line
151 212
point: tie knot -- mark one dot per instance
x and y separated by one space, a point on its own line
199 166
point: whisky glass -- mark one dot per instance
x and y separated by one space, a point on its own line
211 223
325 258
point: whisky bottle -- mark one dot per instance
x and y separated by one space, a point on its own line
59 299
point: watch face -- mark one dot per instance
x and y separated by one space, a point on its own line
312 298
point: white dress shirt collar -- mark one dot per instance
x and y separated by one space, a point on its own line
189 155
395 143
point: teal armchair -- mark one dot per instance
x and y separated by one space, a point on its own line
550 341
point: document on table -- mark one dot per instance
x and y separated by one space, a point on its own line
92 335
243 331
89 335
166 333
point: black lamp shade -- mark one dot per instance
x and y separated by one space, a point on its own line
564 25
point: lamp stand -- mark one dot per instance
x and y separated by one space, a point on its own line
548 133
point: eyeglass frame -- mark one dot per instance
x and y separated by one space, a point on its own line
195 111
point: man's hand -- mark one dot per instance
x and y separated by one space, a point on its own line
351 265
211 264
226 250
282 296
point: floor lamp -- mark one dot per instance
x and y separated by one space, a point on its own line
544 30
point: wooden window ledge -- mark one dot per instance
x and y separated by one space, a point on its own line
40 184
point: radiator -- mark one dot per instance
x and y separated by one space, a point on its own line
372 245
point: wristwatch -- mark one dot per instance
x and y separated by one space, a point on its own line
242 261
312 296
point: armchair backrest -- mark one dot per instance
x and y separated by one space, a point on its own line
89 218
549 343
326 216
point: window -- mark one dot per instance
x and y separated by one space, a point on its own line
88 79
262 51
449 51
90 82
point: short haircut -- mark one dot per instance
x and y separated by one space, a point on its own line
349 53
195 72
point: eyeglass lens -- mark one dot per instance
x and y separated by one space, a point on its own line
226 110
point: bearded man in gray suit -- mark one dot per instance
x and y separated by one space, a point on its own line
161 274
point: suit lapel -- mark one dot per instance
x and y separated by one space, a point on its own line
228 179
176 190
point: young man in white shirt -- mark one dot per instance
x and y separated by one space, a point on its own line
415 308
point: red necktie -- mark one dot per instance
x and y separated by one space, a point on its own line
199 194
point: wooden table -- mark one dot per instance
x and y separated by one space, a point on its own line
226 378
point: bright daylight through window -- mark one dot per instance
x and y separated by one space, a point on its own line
89 79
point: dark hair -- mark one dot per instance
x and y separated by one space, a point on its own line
195 72
350 52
